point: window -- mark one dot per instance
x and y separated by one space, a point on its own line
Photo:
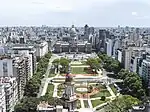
5 70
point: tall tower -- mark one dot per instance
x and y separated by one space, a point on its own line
69 96
86 31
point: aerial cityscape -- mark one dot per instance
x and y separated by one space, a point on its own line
74 56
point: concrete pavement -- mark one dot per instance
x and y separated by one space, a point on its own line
55 89
82 103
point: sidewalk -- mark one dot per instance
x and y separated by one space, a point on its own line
55 90
82 103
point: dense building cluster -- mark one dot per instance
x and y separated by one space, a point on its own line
22 47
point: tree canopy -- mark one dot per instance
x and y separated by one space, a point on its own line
133 82
110 64
27 104
122 104
63 62
94 63
33 85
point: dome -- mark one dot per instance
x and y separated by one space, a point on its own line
73 31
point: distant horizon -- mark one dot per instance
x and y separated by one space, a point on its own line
56 13
74 25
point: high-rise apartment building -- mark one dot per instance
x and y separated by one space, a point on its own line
10 91
2 99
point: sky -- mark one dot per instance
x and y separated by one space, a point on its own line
97 13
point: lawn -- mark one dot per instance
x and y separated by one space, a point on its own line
86 104
113 88
100 86
102 92
51 75
50 90
98 102
78 70
60 90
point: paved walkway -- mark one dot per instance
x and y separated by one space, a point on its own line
81 66
90 103
98 98
82 103
55 89
44 88
111 92
103 104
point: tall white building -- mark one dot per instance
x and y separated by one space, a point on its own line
2 99
16 65
41 49
10 91
129 52
6 66
109 45
29 52
146 69
119 55
116 45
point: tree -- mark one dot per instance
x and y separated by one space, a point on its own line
133 82
122 104
32 88
64 64
103 98
27 104
93 63
56 63
52 100
110 64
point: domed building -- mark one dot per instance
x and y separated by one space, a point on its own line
70 43
73 32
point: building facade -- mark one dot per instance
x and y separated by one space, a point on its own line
71 43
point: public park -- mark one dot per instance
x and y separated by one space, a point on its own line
81 83
92 89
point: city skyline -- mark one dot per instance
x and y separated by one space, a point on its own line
98 13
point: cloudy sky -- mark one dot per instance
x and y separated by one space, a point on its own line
98 13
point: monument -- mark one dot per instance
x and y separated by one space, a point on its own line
69 96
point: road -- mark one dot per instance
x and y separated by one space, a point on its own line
45 81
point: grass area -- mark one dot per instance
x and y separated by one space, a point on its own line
100 86
102 92
78 70
51 75
78 104
98 102
60 92
114 89
50 90
86 104
60 89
